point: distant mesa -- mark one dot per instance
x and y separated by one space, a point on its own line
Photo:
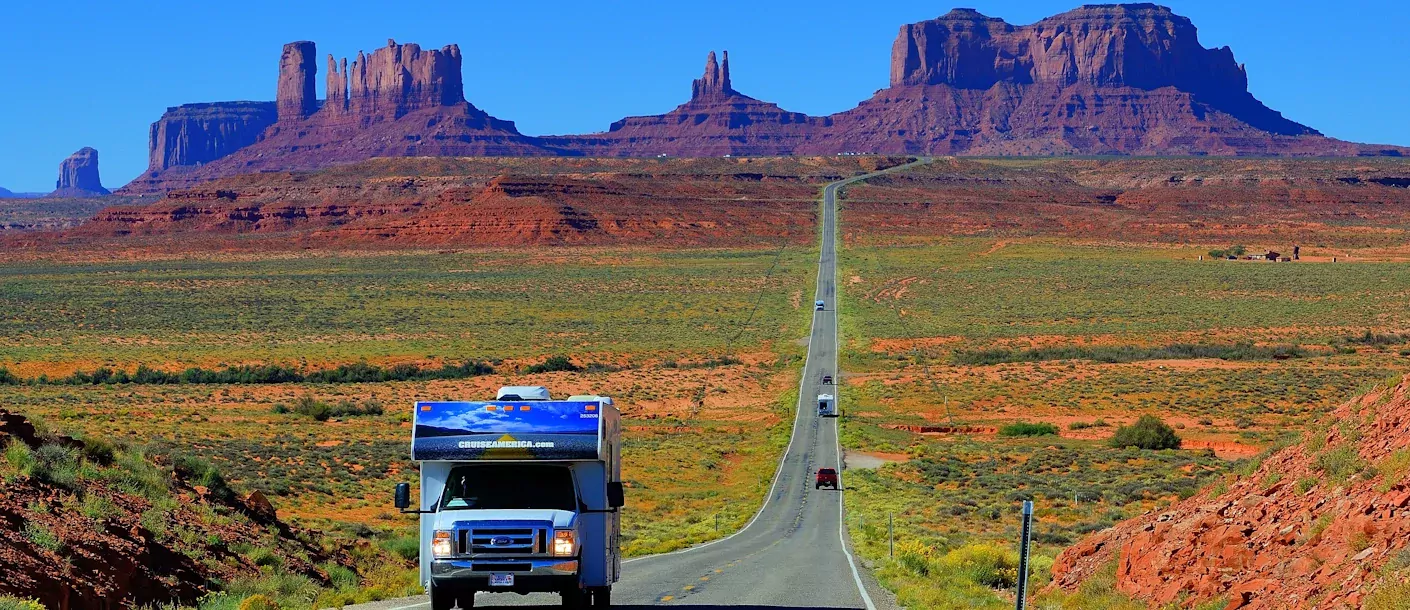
716 121
398 101
9 194
78 176
1113 79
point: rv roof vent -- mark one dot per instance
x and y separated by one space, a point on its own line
523 392
606 400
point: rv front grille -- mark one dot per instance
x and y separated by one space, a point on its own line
503 540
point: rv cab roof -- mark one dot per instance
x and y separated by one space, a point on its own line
606 400
523 392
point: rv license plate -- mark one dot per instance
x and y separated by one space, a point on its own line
501 580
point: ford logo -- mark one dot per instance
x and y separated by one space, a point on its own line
500 540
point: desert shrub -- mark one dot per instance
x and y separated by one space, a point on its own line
915 556
15 603
98 451
552 364
309 406
1339 463
406 547
42 537
1149 432
984 564
8 378
1028 429
258 601
135 474
198 471
1082 425
1305 484
20 458
1393 469
97 507
56 465
1389 595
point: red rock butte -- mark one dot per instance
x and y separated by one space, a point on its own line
1125 79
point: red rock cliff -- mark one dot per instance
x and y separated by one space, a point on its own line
78 175
295 96
400 78
1143 46
193 134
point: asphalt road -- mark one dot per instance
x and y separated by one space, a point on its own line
792 554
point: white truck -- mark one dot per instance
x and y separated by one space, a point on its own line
827 405
519 494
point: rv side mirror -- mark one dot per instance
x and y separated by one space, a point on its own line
616 497
403 496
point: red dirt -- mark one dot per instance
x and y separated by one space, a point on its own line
1262 543
1353 202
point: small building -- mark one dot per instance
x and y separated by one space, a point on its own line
1271 255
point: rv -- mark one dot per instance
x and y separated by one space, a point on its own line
518 495
827 405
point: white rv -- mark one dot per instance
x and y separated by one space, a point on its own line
518 495
827 405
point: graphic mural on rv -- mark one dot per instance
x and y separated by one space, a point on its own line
557 430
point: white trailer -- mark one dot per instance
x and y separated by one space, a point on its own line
518 495
827 405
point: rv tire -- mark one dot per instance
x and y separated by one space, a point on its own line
602 597
574 599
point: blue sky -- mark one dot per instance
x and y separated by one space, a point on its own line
82 73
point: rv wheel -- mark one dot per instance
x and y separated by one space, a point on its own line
574 598
445 598
602 597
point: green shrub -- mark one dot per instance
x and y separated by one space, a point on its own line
8 378
1339 463
406 547
1149 432
258 601
201 472
42 537
983 563
56 465
20 458
552 364
1028 429
15 603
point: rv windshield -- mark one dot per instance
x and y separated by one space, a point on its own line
510 486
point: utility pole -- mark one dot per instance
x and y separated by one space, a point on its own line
1023 555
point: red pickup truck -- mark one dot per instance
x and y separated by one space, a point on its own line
826 476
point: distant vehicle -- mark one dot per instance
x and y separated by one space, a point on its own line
827 405
826 477
518 494
818 305
827 379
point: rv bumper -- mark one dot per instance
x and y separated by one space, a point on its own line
530 576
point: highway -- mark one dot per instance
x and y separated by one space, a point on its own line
792 554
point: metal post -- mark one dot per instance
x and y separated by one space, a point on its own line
717 522
1023 555
891 532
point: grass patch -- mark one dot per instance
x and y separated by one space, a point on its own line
1028 429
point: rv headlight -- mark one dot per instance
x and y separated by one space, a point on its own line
442 545
563 542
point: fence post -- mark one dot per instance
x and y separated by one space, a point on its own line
1023 555
891 532
717 522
